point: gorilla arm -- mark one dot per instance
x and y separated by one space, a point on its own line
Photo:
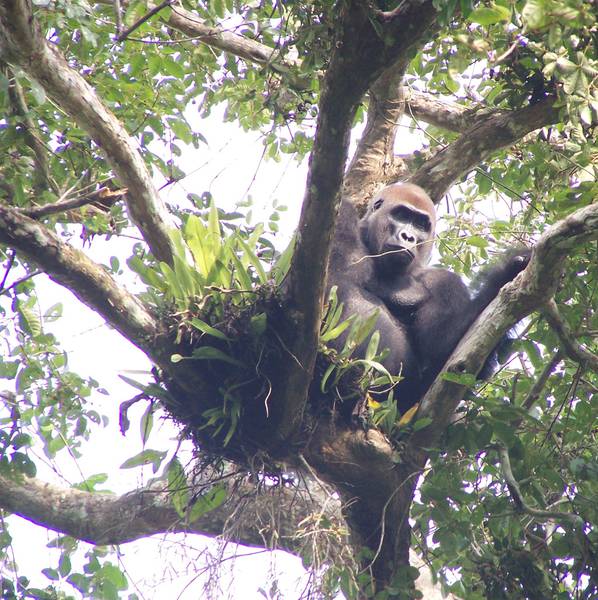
443 320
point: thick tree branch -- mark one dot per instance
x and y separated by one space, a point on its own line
441 113
376 489
103 519
283 518
374 161
22 43
360 55
486 136
79 274
516 300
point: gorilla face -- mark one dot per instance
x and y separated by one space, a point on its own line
398 228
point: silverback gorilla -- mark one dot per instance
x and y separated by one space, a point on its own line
379 262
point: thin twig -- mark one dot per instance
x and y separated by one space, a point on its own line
11 262
19 281
118 17
540 383
520 502
125 34
572 347
103 195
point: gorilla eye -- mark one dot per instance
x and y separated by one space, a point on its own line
378 203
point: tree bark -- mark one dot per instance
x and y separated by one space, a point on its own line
485 136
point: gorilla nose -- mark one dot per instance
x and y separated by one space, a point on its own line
406 237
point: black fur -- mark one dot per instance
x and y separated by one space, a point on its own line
423 311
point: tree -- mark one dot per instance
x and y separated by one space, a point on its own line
497 494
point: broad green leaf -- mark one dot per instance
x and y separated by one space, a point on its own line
114 575
178 487
489 15
196 234
240 272
535 14
145 457
326 376
373 344
258 324
477 241
64 564
207 502
134 383
466 379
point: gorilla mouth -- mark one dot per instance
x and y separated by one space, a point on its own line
397 251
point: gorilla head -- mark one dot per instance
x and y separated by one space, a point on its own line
398 228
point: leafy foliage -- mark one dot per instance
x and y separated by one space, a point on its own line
471 525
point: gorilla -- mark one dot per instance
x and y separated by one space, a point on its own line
380 262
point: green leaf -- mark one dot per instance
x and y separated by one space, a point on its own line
241 273
535 14
214 232
325 377
178 487
38 92
90 483
255 261
421 423
134 383
211 353
258 324
53 313
477 241
51 574
80 582
145 457
146 423
218 8
64 564
207 502
196 235
29 320
282 265
114 575
489 15
208 329
373 344
336 332
467 379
